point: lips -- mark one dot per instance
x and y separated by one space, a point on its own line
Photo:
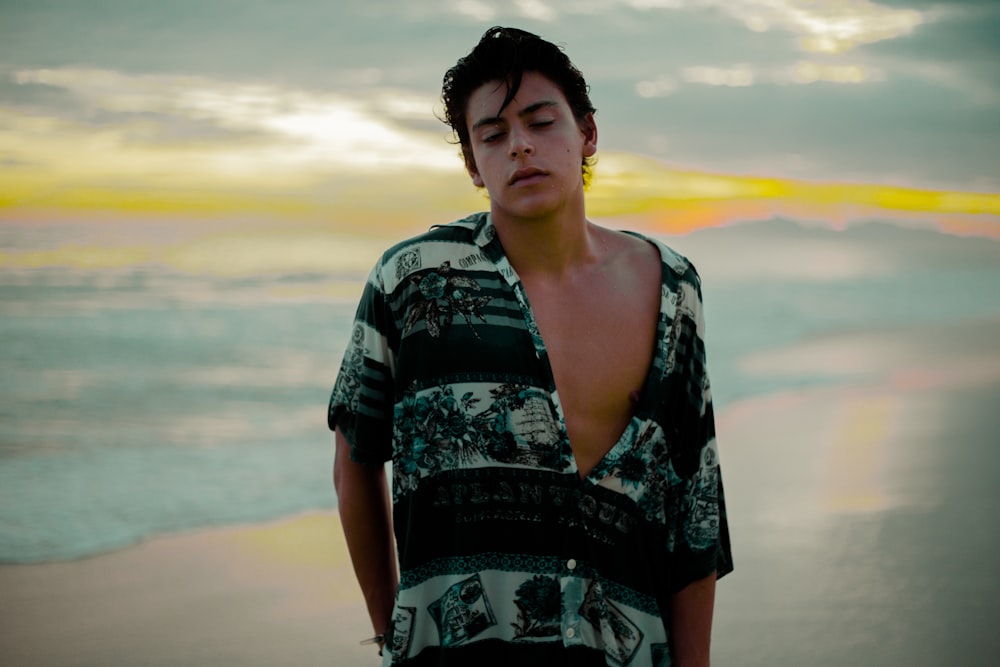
525 174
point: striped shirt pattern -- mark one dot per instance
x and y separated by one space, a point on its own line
507 556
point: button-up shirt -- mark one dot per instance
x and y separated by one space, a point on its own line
507 555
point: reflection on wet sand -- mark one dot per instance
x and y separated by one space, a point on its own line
862 511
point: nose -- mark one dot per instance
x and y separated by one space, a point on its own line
520 143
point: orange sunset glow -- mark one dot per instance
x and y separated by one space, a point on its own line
667 199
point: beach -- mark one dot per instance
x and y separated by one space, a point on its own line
197 198
278 593
864 528
861 509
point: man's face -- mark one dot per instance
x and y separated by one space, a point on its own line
529 155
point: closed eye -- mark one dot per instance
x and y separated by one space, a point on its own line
542 123
490 138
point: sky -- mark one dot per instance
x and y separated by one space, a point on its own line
329 109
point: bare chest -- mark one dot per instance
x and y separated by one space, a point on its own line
600 342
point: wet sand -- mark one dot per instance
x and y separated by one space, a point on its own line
863 514
862 517
281 593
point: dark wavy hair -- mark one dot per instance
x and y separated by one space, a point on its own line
505 54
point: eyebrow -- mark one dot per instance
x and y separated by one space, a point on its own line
527 111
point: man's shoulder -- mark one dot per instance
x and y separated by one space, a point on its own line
678 264
456 230
449 242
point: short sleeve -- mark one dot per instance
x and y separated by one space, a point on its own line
700 530
361 404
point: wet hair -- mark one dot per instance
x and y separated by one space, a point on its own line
505 54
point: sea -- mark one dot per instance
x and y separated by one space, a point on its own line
143 398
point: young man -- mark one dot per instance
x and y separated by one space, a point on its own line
539 384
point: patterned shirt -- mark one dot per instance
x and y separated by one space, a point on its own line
507 556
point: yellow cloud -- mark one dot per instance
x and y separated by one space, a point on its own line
269 152
274 233
678 201
624 185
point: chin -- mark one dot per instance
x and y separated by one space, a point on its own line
527 212
537 206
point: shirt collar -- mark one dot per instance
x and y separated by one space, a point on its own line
485 233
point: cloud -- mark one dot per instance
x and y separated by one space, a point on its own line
826 26
294 128
536 9
734 77
313 89
660 86
822 26
476 10
744 74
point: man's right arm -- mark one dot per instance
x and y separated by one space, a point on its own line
366 517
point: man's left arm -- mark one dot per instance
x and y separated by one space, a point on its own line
703 522
691 622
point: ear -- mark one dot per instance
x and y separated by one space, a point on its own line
476 178
588 128
470 166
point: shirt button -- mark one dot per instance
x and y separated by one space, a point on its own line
570 633
571 564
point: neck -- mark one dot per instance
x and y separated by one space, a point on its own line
550 246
